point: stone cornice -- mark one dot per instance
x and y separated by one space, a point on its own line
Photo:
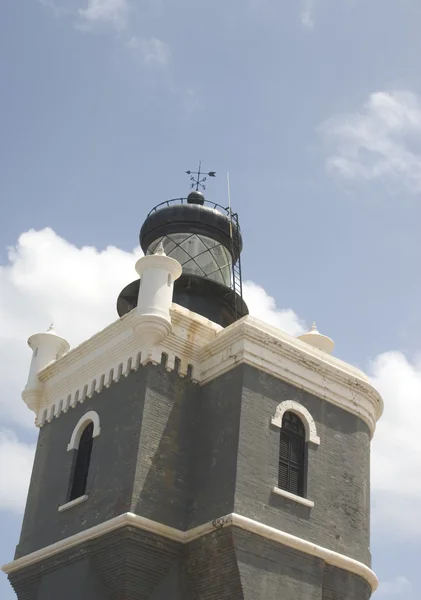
275 352
190 331
232 520
204 351
113 353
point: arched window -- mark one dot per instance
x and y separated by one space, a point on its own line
292 454
82 461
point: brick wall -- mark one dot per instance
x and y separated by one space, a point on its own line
338 471
183 455
228 564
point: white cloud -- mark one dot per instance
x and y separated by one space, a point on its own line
263 306
191 101
151 51
307 13
382 141
16 460
399 587
93 14
56 9
47 279
188 97
104 12
396 455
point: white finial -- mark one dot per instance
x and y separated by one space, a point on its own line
317 340
46 348
160 249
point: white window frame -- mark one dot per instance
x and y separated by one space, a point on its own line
89 417
303 413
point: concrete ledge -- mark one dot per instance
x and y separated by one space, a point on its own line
72 503
293 497
129 519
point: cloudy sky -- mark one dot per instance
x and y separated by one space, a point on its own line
314 108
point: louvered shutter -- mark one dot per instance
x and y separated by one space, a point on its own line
283 460
296 450
291 455
294 481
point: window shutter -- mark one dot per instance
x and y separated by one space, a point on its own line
284 446
283 460
291 455
296 450
294 481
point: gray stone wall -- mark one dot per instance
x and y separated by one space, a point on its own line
338 471
268 569
335 581
227 564
183 455
163 485
111 473
167 451
210 569
216 432
75 579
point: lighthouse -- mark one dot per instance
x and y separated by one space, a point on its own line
190 451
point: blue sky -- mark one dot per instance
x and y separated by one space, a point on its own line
315 110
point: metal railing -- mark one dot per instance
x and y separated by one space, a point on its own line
225 210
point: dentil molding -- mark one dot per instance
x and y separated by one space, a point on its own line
202 350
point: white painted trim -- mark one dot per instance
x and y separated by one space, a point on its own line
96 363
275 352
301 411
330 556
88 417
72 503
211 351
333 558
293 497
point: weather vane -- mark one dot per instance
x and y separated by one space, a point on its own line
200 178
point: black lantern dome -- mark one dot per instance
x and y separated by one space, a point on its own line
205 239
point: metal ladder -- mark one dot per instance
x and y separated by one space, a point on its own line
237 283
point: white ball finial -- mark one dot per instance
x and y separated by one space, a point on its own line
317 340
157 275
46 348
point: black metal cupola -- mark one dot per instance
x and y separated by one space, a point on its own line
205 239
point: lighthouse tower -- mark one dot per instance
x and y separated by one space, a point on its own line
189 451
